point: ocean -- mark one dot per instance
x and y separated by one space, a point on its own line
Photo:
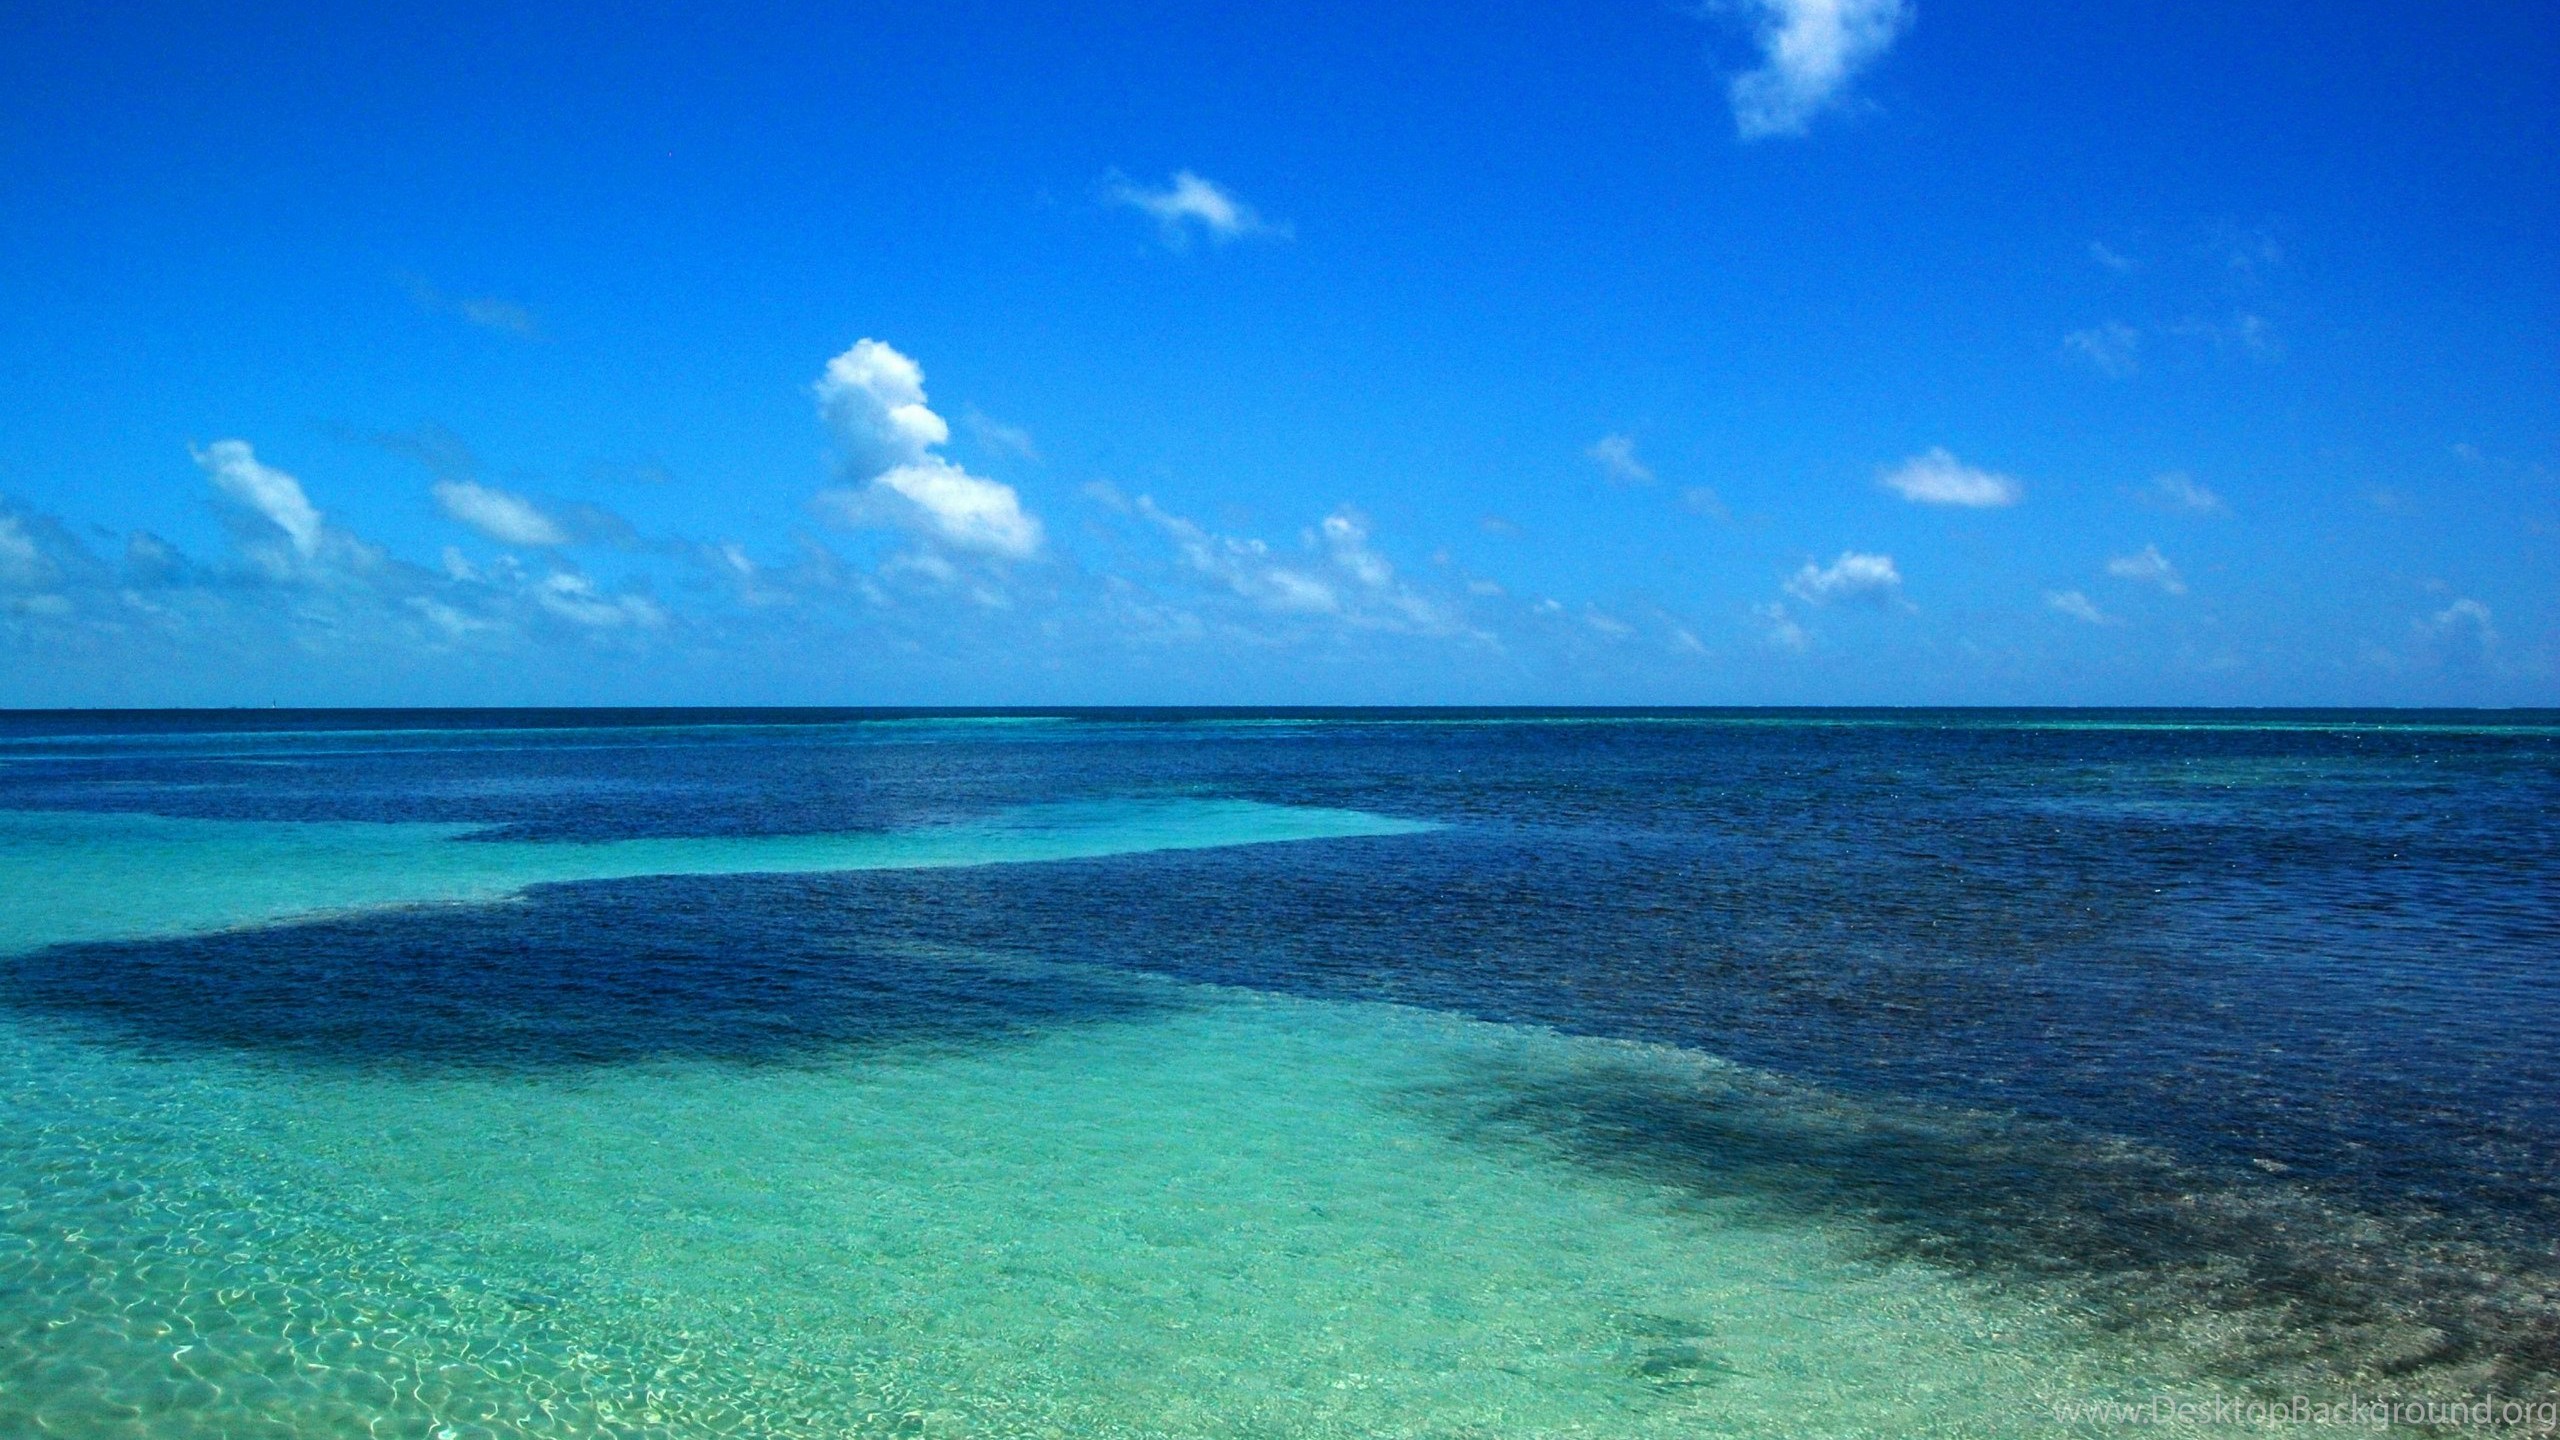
1291 1073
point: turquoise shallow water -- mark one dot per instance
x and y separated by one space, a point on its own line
73 875
1241 1216
1141 1078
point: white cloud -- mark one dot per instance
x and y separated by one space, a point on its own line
1346 535
506 518
1854 576
1340 576
2113 349
234 469
2177 490
872 399
575 598
450 623
967 510
1187 202
2462 615
2077 606
1782 630
1938 478
2148 566
1616 457
1244 566
1810 51
21 563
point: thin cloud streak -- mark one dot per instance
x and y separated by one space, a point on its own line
1190 204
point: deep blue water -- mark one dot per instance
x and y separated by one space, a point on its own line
2124 958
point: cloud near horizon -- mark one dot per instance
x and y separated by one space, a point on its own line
1338 574
21 563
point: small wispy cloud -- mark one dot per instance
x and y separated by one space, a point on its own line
1939 478
1616 457
1190 204
2464 617
2077 606
1339 574
2148 566
500 515
994 434
2246 249
1245 566
1780 628
1810 52
446 456
1703 500
2177 490
2113 349
489 312
2113 259
2248 332
1854 576
21 562
576 599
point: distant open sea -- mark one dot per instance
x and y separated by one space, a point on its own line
1305 1073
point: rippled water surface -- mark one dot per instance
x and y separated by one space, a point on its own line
1442 1074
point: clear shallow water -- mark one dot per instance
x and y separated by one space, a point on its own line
90 876
1267 1075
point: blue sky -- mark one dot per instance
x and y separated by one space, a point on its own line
1835 351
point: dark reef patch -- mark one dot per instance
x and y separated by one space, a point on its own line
736 970
2259 1281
